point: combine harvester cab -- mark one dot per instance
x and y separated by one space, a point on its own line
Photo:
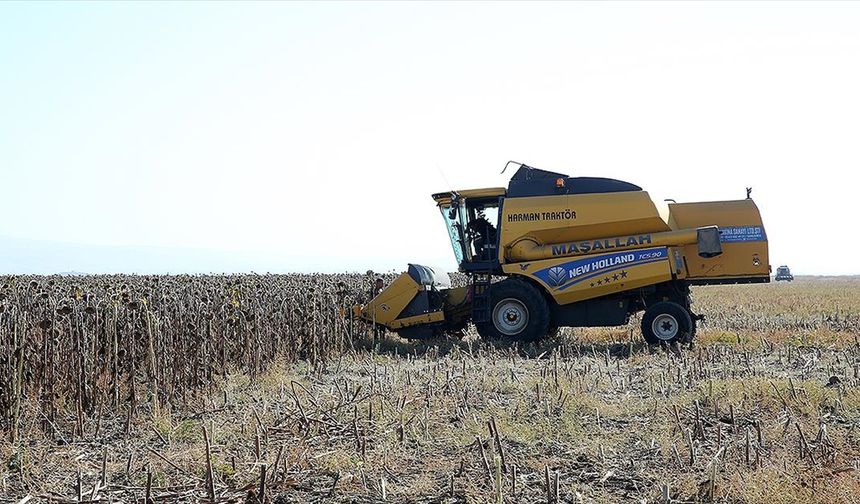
583 251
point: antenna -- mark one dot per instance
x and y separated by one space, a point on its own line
444 178
510 163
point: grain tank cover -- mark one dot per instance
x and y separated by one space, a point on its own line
528 181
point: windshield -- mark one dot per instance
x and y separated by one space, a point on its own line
454 218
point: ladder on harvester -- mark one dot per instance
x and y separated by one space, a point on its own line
481 297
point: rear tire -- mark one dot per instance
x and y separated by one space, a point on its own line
518 310
666 322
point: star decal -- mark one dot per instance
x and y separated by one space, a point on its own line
600 282
615 276
606 280
592 284
623 274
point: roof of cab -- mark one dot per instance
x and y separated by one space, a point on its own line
488 192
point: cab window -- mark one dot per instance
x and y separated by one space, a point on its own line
482 228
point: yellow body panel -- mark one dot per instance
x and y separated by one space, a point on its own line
744 242
573 279
385 307
574 217
541 227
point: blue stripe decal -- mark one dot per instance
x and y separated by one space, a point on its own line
564 275
609 279
733 234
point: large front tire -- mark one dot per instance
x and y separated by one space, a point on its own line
666 322
518 310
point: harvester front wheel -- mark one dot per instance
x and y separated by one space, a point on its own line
666 322
518 310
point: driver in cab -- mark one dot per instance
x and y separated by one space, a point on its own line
484 236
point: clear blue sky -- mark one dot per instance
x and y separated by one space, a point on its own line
309 136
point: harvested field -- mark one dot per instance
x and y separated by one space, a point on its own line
251 388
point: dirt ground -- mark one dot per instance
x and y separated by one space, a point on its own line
764 409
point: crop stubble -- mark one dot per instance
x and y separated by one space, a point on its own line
121 388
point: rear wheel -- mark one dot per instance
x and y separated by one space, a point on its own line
518 310
666 322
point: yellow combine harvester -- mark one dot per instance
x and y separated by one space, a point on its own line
575 252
